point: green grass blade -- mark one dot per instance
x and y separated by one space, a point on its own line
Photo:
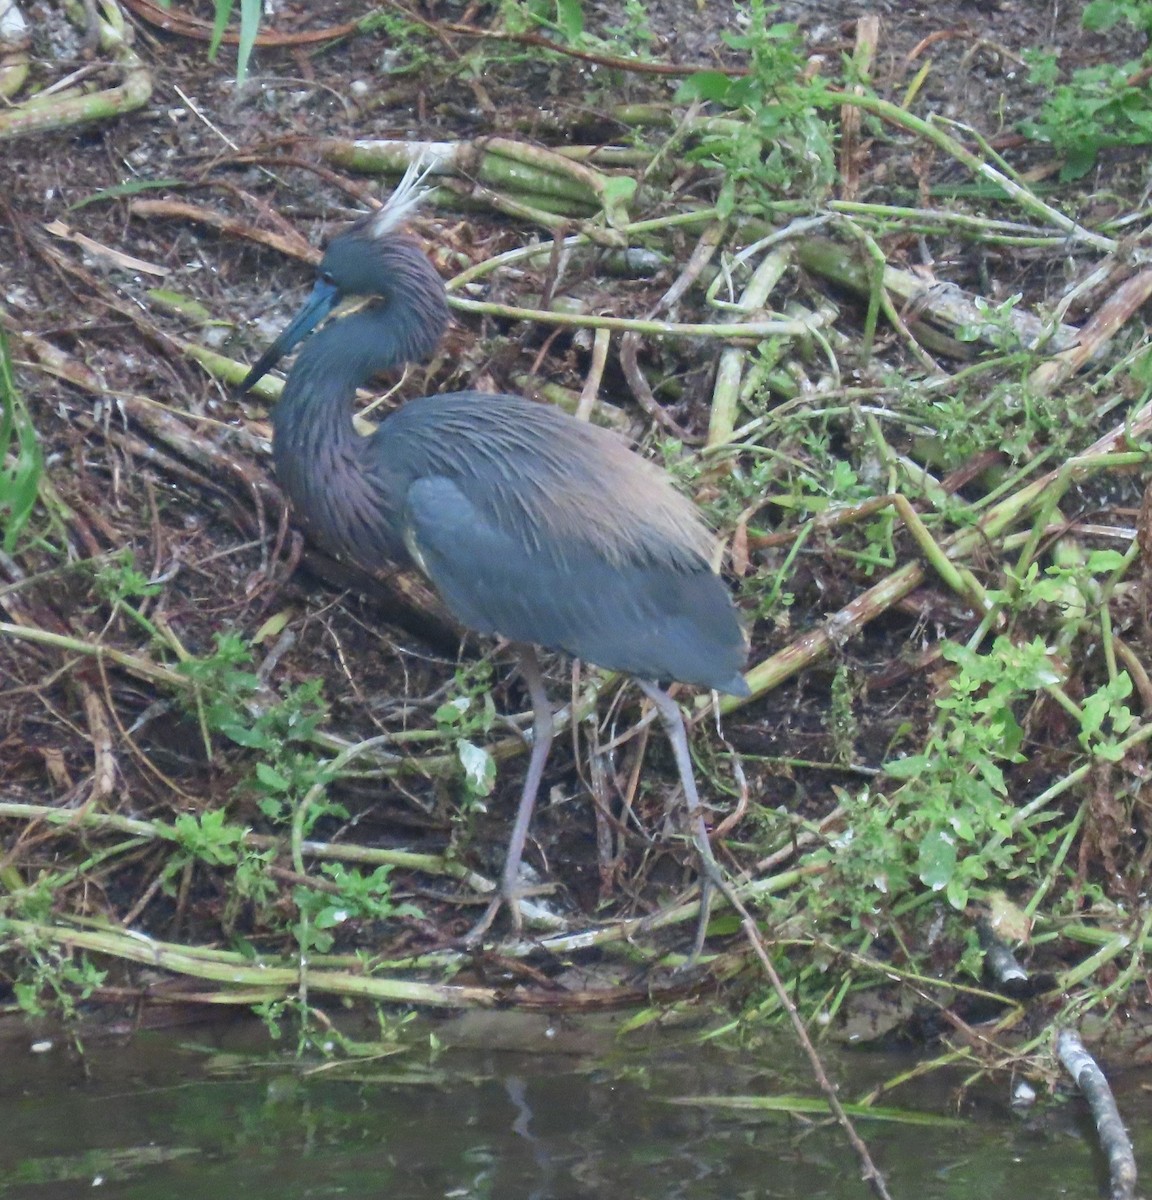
249 27
219 25
21 459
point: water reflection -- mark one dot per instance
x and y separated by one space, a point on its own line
152 1117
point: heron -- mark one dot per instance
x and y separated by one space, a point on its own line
532 525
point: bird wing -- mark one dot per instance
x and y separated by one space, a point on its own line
648 617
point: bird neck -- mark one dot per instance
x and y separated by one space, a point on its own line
314 413
320 458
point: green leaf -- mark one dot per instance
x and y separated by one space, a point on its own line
704 85
450 713
906 768
937 861
28 999
1079 162
570 18
479 767
329 918
1101 15
21 458
271 778
1104 562
132 188
249 28
219 25
957 893
253 739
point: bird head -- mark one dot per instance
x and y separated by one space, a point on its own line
372 258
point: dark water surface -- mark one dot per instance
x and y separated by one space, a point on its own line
214 1112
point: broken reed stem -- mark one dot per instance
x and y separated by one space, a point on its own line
61 112
726 393
281 975
986 230
430 864
1116 945
134 664
1031 203
522 169
750 331
239 971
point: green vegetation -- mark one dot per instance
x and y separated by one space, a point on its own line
779 145
21 459
1100 107
951 824
465 721
928 487
249 28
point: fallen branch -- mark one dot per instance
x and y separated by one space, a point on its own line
929 300
1114 1139
498 163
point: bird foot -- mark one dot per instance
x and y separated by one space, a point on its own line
475 936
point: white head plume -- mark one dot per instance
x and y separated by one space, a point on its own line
405 200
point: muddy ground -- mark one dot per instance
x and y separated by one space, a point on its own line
203 520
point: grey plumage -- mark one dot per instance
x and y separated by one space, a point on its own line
531 524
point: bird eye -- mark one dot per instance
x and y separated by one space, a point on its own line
326 277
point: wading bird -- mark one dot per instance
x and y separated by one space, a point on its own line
532 525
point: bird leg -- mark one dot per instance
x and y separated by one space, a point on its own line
678 735
542 729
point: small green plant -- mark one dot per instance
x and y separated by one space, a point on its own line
355 896
954 820
463 719
634 33
1009 416
21 458
211 840
231 700
208 838
122 585
995 324
224 686
250 14
409 48
119 581
780 144
1100 107
565 17
951 821
53 978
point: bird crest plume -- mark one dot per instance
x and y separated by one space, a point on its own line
404 201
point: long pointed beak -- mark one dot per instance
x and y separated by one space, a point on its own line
319 304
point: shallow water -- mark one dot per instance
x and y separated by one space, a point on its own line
217 1112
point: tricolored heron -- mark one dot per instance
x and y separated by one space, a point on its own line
532 525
